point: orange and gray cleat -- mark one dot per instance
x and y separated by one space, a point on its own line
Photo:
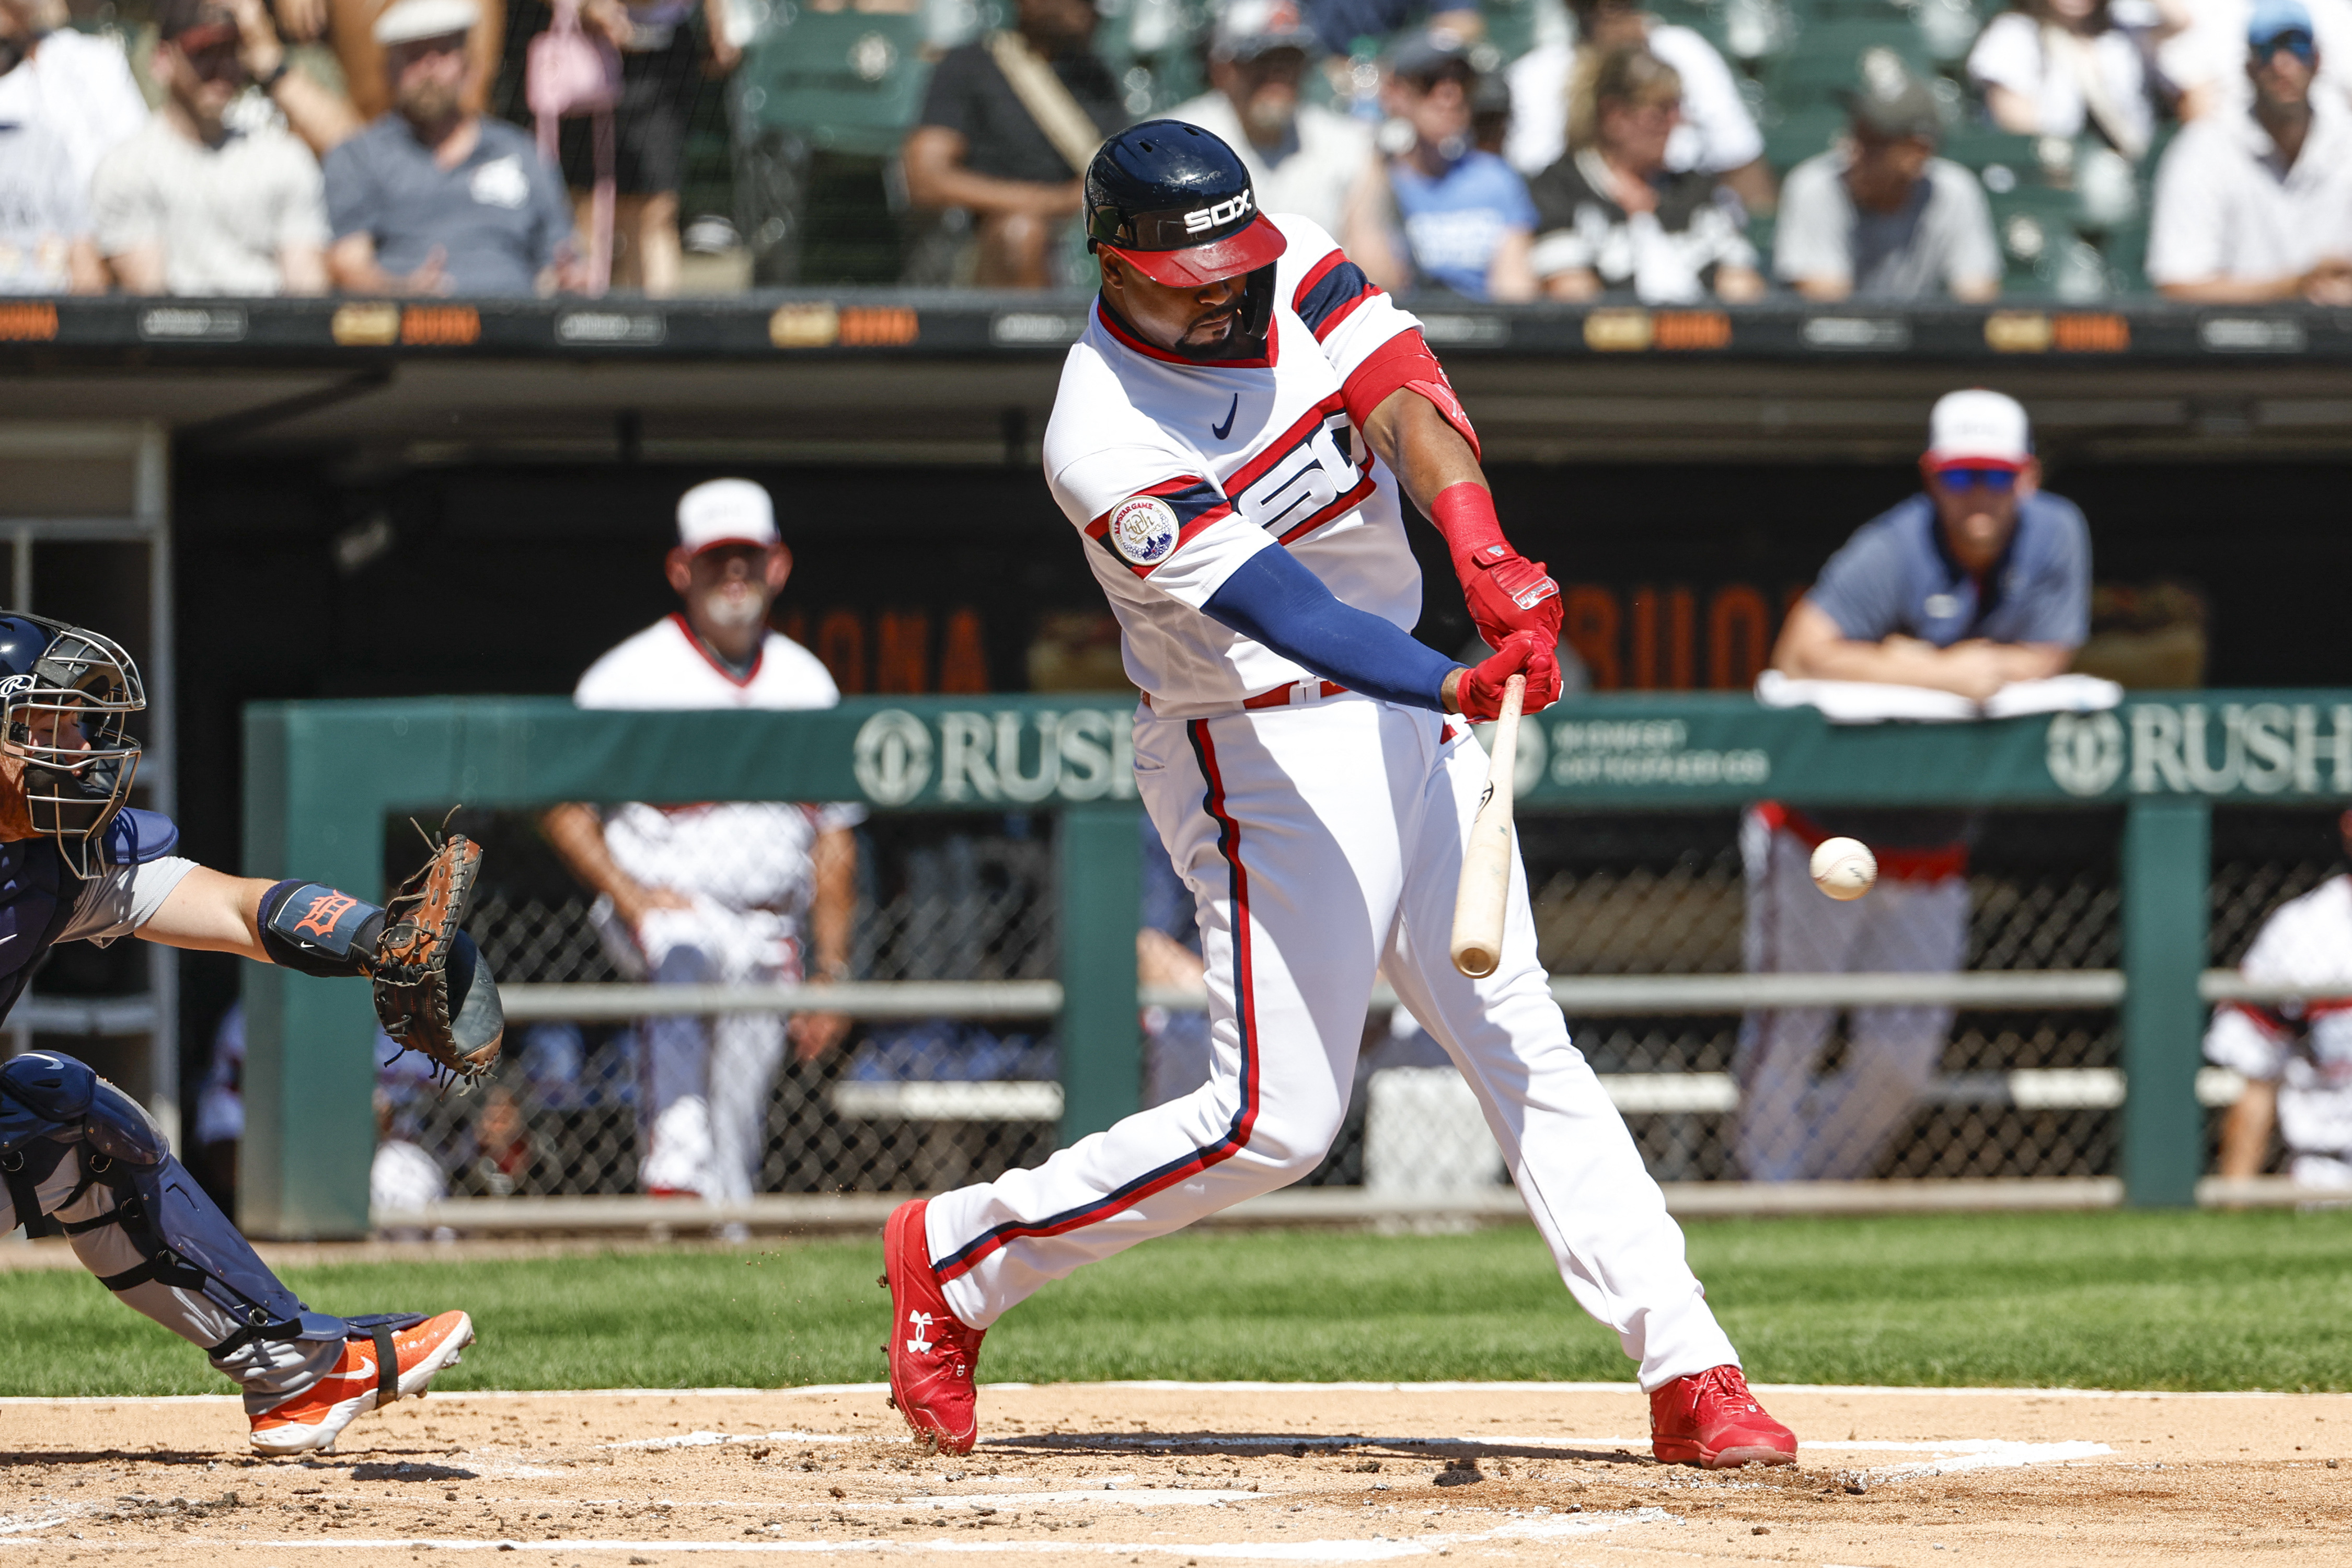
311 1420
1709 1418
932 1353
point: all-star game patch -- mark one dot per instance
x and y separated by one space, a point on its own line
1143 530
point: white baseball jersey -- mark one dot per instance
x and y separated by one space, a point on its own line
1178 470
741 854
667 667
1322 839
2307 1052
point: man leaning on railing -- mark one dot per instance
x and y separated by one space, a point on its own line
1981 582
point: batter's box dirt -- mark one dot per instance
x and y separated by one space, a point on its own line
1186 1475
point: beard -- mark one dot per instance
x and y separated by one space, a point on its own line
734 610
428 103
1267 118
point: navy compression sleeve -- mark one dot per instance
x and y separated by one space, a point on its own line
1273 600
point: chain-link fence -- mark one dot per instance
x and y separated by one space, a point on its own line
1999 1091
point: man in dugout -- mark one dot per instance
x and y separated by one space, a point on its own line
1980 580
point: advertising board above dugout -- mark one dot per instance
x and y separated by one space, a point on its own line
998 753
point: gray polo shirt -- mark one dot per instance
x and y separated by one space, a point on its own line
497 218
1942 236
1896 574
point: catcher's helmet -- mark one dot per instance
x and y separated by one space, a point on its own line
64 695
1174 201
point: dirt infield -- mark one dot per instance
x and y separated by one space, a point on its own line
1186 1475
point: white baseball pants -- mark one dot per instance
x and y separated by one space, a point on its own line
702 1083
1324 842
1797 1123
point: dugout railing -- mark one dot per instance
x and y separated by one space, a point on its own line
2133 954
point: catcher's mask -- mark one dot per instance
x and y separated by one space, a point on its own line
65 696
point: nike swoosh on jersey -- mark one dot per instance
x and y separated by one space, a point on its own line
1222 431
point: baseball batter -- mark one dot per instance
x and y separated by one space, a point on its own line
77 1155
1234 438
731 893
2295 1056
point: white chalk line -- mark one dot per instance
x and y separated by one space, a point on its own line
1375 1549
808 1391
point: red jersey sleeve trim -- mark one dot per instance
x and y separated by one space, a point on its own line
1194 500
1330 293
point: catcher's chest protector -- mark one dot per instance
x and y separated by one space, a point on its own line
37 893
37 900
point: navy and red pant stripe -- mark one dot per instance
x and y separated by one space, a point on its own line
1236 1136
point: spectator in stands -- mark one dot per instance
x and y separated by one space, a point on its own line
1468 224
433 199
1008 126
1983 580
1611 218
1302 158
1884 218
2258 206
726 893
45 244
193 205
2057 68
1346 28
661 66
2295 1056
2197 51
75 88
1717 135
350 26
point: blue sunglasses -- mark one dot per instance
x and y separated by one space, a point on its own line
2293 41
1999 480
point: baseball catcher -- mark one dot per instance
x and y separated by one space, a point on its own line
80 1158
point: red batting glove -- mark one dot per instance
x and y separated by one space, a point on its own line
1478 694
1505 592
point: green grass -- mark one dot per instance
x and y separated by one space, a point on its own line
2114 1301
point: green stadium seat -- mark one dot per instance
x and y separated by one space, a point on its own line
1827 58
1800 135
1980 145
848 81
2033 224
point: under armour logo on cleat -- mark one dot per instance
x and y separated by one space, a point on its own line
1222 431
920 1345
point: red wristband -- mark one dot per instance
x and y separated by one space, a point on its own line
1464 514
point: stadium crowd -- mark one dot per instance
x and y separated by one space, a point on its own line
1584 150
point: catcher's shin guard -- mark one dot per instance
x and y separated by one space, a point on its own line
53 1109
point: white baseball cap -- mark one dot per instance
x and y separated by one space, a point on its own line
1981 428
726 512
406 21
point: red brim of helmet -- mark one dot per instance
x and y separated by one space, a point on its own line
1259 244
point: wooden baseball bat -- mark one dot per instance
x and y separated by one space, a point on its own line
1486 862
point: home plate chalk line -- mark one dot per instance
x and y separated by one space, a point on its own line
1375 1549
814 1390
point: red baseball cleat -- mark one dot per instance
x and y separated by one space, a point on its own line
1709 1418
310 1421
931 1353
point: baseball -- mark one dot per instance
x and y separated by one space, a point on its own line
1845 868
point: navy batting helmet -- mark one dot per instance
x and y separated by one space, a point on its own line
65 696
1174 201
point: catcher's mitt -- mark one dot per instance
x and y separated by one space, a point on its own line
433 993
